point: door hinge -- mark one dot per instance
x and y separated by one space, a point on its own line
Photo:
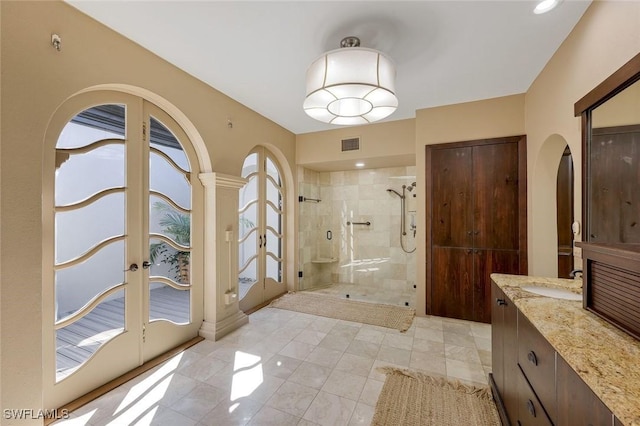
144 131
144 332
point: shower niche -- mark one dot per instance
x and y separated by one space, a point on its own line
354 240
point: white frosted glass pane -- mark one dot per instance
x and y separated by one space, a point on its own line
274 244
320 114
77 342
79 230
274 219
250 273
272 170
78 284
248 220
351 65
164 140
351 90
273 269
165 179
348 121
250 164
167 221
247 249
168 303
168 262
83 175
273 193
319 99
381 97
379 113
92 125
315 75
249 192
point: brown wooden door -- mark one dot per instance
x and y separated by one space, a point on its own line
476 222
453 265
564 207
495 196
487 262
452 198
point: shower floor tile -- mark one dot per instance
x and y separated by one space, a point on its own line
371 294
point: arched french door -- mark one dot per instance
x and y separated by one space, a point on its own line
261 237
125 252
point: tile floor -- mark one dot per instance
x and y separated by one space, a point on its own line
289 368
370 294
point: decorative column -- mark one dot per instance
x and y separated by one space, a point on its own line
222 312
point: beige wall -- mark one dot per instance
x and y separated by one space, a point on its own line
381 145
36 79
607 36
452 123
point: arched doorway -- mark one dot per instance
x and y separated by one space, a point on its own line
262 239
124 224
564 213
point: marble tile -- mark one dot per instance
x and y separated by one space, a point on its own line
462 353
363 348
309 374
483 343
460 340
262 390
164 416
433 334
329 410
394 355
362 415
371 392
466 371
355 364
203 368
428 322
375 374
463 328
231 413
428 363
336 342
344 330
345 384
370 335
281 366
292 398
310 337
429 347
268 416
481 330
324 356
485 357
297 350
197 403
398 341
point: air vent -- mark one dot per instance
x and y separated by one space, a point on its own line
351 144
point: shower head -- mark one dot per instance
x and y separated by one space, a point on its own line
395 192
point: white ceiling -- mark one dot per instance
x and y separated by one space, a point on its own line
257 52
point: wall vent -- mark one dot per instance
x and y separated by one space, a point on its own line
351 144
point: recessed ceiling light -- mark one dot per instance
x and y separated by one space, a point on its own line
545 6
359 164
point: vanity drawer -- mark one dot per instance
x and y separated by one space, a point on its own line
536 358
530 410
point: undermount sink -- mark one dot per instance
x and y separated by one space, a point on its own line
556 293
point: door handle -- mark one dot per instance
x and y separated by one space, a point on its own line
132 268
146 264
531 356
501 302
260 246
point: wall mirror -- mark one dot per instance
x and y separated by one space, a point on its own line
611 158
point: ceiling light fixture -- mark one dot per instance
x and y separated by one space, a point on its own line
545 6
351 85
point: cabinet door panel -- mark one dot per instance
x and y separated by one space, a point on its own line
452 289
495 178
577 404
530 410
451 197
487 262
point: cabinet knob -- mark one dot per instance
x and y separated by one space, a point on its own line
531 408
501 302
531 356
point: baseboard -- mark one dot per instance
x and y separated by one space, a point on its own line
229 324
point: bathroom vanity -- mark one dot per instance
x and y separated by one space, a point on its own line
556 363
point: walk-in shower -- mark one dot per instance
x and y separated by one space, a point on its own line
403 214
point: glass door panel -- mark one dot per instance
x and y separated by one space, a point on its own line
89 235
261 236
169 227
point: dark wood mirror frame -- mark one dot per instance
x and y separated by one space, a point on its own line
611 271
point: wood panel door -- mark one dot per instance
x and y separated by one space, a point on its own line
476 222
564 214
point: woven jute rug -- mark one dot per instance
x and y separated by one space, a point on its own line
412 398
390 316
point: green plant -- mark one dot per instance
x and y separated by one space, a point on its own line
178 226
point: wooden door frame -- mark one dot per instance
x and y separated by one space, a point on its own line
522 201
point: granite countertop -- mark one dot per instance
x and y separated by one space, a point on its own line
606 358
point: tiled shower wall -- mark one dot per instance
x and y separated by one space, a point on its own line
358 254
